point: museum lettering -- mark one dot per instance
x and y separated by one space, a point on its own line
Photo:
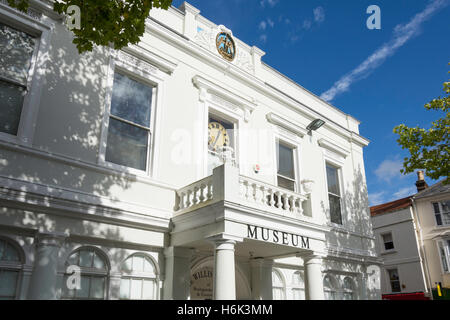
279 237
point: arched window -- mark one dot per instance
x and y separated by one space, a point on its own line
349 289
278 286
298 286
10 266
139 279
330 288
93 280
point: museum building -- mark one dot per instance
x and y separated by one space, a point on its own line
183 167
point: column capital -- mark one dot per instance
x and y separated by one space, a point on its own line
313 255
55 239
224 240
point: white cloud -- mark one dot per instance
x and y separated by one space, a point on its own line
376 198
389 169
262 25
307 24
263 38
271 3
270 22
405 192
401 35
319 15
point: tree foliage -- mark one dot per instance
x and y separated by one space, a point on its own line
115 23
429 149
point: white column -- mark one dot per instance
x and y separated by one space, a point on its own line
262 287
43 284
313 278
224 270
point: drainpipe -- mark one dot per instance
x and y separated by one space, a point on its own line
422 252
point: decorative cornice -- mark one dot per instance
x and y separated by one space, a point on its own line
286 124
220 93
148 56
334 147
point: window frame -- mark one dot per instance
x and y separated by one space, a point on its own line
300 287
142 276
217 111
352 290
283 284
152 78
220 116
41 31
384 243
284 139
339 170
89 272
445 243
440 214
14 266
390 281
333 290
294 164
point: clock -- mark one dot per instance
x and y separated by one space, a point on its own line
217 137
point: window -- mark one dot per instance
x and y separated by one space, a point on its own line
286 168
395 280
129 130
442 212
298 286
330 288
16 53
444 252
221 142
349 289
94 274
278 286
10 265
334 194
139 280
388 241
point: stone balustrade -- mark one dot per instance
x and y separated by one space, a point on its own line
227 185
197 193
271 198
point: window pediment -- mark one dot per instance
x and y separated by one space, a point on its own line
223 97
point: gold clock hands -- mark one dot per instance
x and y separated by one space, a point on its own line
217 139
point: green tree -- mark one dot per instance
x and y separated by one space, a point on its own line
115 23
429 149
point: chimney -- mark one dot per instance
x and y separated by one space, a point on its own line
421 184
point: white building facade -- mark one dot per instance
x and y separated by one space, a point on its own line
179 168
397 243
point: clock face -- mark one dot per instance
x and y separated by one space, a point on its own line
217 137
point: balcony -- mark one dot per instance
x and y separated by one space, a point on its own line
227 185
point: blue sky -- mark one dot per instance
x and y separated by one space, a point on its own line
381 77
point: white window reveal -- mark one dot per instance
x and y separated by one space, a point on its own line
442 212
221 142
388 241
334 194
444 252
394 280
138 279
10 265
298 286
94 275
16 54
278 286
286 167
129 130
